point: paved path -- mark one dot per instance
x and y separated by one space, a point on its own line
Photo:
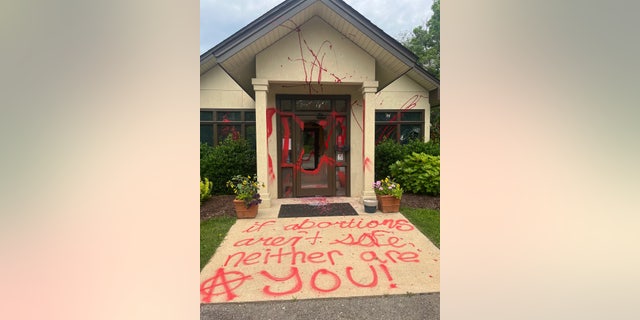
405 307
269 259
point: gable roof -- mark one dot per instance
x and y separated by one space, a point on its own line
236 54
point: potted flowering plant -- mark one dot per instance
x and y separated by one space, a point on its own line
389 194
247 196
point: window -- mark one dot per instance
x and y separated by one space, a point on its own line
217 124
399 125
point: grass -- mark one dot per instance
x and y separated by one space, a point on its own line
426 220
212 232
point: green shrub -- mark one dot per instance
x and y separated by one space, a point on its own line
435 124
205 189
226 160
418 173
431 148
387 153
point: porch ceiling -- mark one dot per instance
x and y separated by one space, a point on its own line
236 55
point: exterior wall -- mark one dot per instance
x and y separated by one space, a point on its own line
218 90
406 94
316 60
316 53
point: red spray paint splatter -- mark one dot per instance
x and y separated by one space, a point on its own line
228 281
294 274
316 63
272 175
386 272
336 279
367 165
373 283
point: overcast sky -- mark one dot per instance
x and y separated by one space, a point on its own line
221 18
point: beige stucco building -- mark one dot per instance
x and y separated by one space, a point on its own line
314 85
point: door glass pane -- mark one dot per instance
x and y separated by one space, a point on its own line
341 105
314 169
313 105
341 132
341 181
287 182
287 147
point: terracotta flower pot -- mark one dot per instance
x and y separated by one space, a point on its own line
388 204
242 212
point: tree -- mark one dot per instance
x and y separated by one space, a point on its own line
425 42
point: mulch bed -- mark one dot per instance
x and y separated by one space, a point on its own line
223 205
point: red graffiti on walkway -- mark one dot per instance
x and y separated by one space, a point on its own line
386 272
226 280
336 280
376 238
257 226
372 242
406 256
374 280
296 287
290 255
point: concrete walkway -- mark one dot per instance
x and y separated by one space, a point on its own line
269 259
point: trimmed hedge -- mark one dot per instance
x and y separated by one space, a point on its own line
221 163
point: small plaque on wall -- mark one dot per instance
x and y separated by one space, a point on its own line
340 156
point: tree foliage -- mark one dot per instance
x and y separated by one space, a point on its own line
425 42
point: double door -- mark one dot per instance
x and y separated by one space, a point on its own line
313 148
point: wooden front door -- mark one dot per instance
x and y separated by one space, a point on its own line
313 133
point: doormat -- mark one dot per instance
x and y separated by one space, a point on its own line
321 210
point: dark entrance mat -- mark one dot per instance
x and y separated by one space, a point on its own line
320 210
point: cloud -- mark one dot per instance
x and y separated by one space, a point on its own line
219 19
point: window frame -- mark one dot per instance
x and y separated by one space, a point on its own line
243 123
397 122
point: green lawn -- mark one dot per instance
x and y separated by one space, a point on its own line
426 220
212 232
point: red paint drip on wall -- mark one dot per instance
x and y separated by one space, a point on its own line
367 164
270 113
272 175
